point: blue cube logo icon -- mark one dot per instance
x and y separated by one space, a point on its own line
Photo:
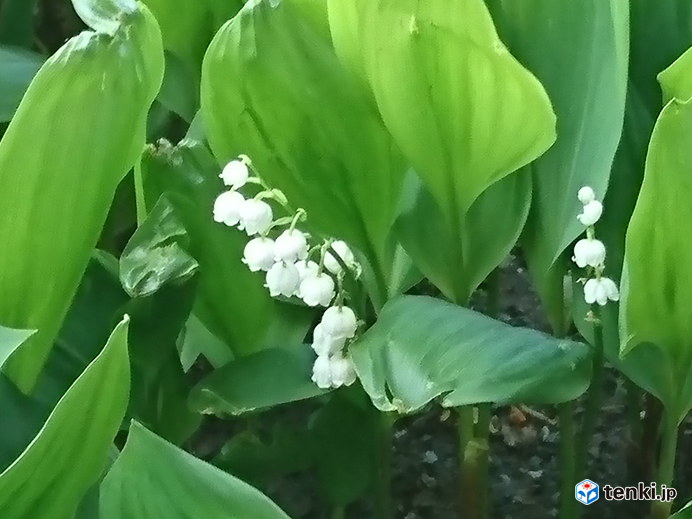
587 492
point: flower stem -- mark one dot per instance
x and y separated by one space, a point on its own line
666 464
467 470
382 488
594 395
567 461
485 414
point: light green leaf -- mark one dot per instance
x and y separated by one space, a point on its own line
44 481
676 80
579 51
78 130
457 258
308 125
10 340
423 348
153 479
656 287
684 513
463 110
256 382
17 68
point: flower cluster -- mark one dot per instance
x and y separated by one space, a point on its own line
590 253
278 248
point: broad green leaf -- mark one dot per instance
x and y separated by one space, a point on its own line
232 301
345 25
179 89
78 130
156 253
198 340
17 68
463 110
457 258
309 126
656 288
423 348
10 340
153 479
345 454
676 80
579 51
257 382
68 455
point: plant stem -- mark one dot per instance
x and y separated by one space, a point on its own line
382 487
485 413
567 460
666 464
467 463
593 398
140 202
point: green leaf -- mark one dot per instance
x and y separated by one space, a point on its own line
676 80
198 340
309 126
179 89
257 382
43 481
17 68
457 258
684 513
232 301
423 348
10 340
156 253
153 479
656 287
581 58
463 110
78 130
345 455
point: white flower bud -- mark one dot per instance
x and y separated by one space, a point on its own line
325 344
586 195
317 290
339 322
343 372
589 252
283 279
227 208
600 290
259 254
592 213
235 174
255 216
291 246
343 250
322 372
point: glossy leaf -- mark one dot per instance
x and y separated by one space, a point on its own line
308 125
579 51
232 301
17 68
43 481
153 479
457 258
256 382
10 340
422 348
78 130
656 287
463 110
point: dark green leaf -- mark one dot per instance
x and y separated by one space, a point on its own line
265 379
422 348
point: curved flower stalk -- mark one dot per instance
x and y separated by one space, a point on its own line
280 249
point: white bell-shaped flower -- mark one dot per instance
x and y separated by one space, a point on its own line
235 174
600 290
255 216
325 344
227 208
291 246
339 321
343 250
343 372
589 252
307 268
592 213
259 254
322 372
317 290
586 195
283 279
